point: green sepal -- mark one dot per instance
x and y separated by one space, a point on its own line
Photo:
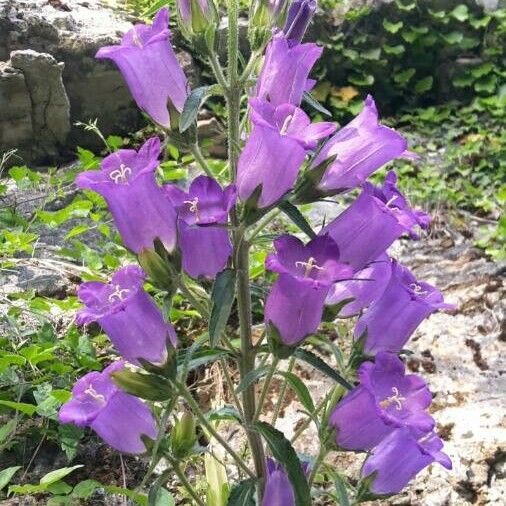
331 313
307 190
278 348
162 267
168 370
364 493
357 355
183 436
146 386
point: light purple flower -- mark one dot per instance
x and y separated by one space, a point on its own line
139 208
276 149
299 16
295 303
118 418
385 400
392 319
150 68
128 315
278 488
399 458
367 286
284 75
204 241
361 148
373 222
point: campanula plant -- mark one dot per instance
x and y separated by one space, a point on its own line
195 241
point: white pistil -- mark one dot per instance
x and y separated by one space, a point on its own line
120 176
396 399
93 393
418 289
391 201
286 125
136 38
119 294
309 266
194 207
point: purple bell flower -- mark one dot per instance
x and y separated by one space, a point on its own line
278 488
399 458
373 222
139 207
367 286
299 16
128 315
284 75
204 241
276 149
385 400
120 419
296 300
392 319
361 148
150 68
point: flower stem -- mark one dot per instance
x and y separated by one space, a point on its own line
230 385
186 395
184 481
319 460
217 70
305 425
282 392
200 159
265 389
268 219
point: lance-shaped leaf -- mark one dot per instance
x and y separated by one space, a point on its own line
297 218
300 389
243 494
310 100
191 107
222 297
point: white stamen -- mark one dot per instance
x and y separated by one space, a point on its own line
396 399
120 176
194 207
119 294
309 266
391 201
136 38
418 289
93 393
286 125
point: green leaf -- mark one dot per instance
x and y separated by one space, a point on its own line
404 76
310 100
84 489
191 107
27 409
361 79
392 27
424 84
342 493
322 366
453 38
243 494
222 296
6 430
146 386
7 474
284 453
482 70
224 413
297 218
250 378
57 475
486 84
463 80
77 230
300 389
140 499
158 496
395 50
460 13
371 54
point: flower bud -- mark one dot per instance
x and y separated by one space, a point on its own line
196 16
299 16
264 15
183 436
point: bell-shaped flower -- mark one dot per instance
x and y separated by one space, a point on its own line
128 315
150 68
405 303
399 458
360 148
295 303
284 75
120 419
278 487
300 14
202 217
276 149
373 222
138 205
385 400
367 285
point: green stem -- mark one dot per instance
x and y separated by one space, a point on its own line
282 392
199 157
319 460
184 481
305 425
230 385
268 219
265 389
250 67
217 70
186 395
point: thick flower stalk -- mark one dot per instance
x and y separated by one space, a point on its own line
128 315
150 68
120 419
138 205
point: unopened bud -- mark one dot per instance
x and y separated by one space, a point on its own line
196 16
299 16
183 436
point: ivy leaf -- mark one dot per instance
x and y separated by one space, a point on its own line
222 297
243 494
460 13
404 76
283 452
191 107
424 84
453 38
392 27
297 218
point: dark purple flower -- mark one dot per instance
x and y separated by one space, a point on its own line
138 205
392 319
373 222
118 418
399 458
276 149
205 248
284 75
299 16
278 488
385 400
361 147
150 68
128 315
295 303
367 286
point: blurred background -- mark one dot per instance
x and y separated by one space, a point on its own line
436 69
